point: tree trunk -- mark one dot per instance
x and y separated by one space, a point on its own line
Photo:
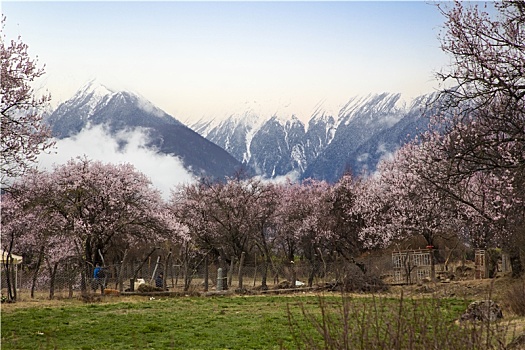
264 271
230 272
35 274
241 263
186 268
432 266
187 277
515 262
13 280
70 286
311 276
83 281
136 273
120 277
206 273
52 276
8 266
292 277
165 271
87 268
432 249
266 263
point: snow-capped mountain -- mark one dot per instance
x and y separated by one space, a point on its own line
94 104
277 147
354 138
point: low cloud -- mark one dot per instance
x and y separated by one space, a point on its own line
292 177
164 171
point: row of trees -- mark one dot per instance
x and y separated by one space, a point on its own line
85 210
463 179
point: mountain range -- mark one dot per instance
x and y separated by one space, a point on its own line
354 138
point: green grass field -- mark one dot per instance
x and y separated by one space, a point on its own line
233 322
162 323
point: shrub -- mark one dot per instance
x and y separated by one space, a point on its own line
515 298
355 280
382 323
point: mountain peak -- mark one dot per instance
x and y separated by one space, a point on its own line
322 112
95 104
95 88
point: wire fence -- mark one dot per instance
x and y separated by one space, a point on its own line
387 267
177 277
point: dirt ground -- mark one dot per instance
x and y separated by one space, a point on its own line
494 289
469 289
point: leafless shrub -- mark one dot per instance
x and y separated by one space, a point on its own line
515 298
355 280
383 323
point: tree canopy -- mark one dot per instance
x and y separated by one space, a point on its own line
24 135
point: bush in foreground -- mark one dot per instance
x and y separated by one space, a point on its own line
515 298
383 323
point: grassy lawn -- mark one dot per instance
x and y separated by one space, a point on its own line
234 322
162 323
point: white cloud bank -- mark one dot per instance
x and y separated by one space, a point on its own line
164 171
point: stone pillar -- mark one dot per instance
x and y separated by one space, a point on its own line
219 280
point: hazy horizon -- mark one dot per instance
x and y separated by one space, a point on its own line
204 59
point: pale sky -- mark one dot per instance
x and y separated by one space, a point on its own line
195 59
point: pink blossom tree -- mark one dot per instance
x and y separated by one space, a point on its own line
400 203
216 215
262 205
490 202
303 224
97 208
487 54
12 228
24 134
27 227
421 191
484 139
228 218
345 222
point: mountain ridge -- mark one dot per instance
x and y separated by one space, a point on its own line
352 138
